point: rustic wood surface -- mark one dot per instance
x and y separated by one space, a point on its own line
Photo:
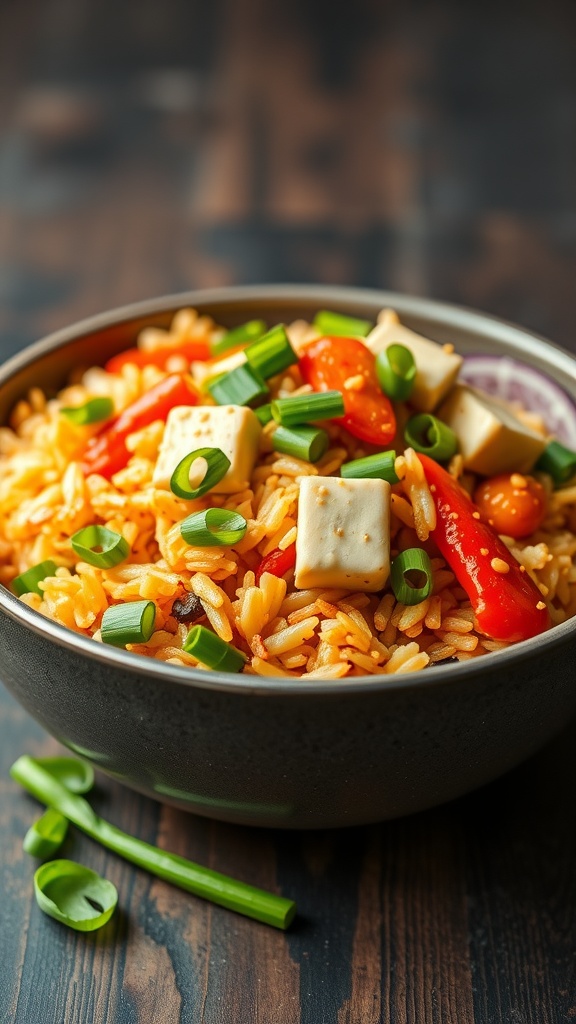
428 147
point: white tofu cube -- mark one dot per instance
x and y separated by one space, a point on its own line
491 439
436 368
232 428
343 535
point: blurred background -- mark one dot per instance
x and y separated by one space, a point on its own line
149 147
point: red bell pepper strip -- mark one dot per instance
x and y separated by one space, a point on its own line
507 604
106 453
160 357
277 562
346 365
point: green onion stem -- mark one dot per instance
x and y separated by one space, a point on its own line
321 405
214 527
93 411
307 443
427 434
239 336
99 546
328 323
372 467
415 562
210 885
272 353
129 623
27 582
558 461
46 835
396 371
212 651
242 386
264 413
217 465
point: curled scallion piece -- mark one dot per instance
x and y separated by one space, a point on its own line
211 885
411 576
46 835
217 465
76 775
272 353
93 411
396 371
100 546
74 895
427 434
214 527
27 582
327 322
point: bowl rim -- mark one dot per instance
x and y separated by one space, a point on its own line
447 314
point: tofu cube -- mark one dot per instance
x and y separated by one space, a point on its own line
343 535
491 439
233 428
436 368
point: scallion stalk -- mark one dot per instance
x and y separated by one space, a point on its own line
272 353
217 465
210 885
329 323
214 527
46 835
411 576
212 651
129 623
27 582
239 336
242 386
427 434
396 371
93 411
372 467
301 409
307 443
558 461
264 413
100 546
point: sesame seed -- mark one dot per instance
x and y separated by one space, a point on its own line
453 515
475 515
499 565
366 538
338 531
483 551
540 606
517 480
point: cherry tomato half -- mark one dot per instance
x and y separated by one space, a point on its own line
515 504
339 364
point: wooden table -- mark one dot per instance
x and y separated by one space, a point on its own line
423 147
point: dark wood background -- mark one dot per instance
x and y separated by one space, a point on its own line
424 146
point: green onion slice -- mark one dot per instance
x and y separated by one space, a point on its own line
93 411
242 386
216 465
411 576
74 895
427 434
27 582
396 372
46 835
264 413
272 353
212 651
307 443
215 527
323 405
76 775
239 336
130 623
373 467
558 461
99 546
327 322
210 885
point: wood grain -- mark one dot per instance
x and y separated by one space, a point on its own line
425 147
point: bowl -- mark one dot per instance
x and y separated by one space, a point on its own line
271 752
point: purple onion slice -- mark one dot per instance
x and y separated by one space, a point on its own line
516 382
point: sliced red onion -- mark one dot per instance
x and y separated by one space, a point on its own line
512 381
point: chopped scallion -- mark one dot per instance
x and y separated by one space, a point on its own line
216 465
427 434
328 323
307 443
74 895
99 546
130 623
46 835
93 411
264 413
411 576
214 527
322 405
27 582
272 353
212 651
396 372
558 461
242 386
373 467
239 336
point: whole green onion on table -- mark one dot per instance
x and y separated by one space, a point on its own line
211 885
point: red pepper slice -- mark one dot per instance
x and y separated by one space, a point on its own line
106 453
505 603
328 363
160 357
277 562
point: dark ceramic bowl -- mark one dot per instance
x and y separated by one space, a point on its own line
272 752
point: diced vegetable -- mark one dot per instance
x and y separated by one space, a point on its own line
426 433
212 651
93 411
411 576
45 837
186 351
332 324
307 443
372 467
130 623
272 353
514 504
27 582
214 527
346 365
264 413
559 462
239 336
216 465
322 405
396 372
278 562
99 546
242 386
